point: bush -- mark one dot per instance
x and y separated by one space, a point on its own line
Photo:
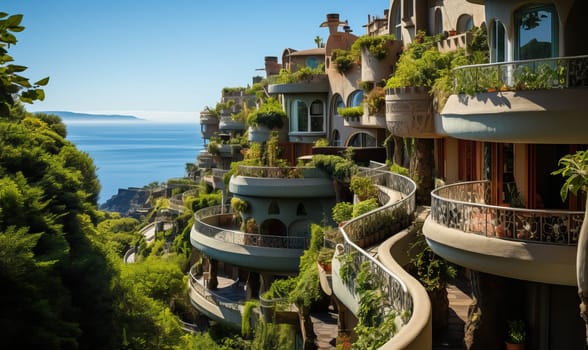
364 207
342 211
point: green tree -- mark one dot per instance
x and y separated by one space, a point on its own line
13 86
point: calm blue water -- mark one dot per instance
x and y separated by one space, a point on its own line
134 154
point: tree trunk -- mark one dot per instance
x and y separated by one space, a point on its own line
582 270
398 150
422 165
440 309
484 328
306 327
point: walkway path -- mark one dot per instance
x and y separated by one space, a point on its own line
459 295
325 329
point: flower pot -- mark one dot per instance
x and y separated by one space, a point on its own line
511 346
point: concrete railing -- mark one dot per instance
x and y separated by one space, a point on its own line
239 237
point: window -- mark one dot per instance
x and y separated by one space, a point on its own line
536 32
316 116
438 21
305 119
274 208
335 138
301 210
498 42
362 140
338 103
299 116
464 23
396 18
356 98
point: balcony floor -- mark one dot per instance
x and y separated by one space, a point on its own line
227 289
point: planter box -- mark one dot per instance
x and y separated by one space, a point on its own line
409 112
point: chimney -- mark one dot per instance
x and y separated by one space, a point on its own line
271 65
332 22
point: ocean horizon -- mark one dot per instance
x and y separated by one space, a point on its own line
135 153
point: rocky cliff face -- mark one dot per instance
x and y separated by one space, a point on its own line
128 202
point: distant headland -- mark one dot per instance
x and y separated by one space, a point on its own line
75 116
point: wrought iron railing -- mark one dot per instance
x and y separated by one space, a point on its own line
397 298
242 238
464 206
537 74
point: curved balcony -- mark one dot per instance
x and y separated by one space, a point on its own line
215 234
224 304
532 245
317 83
227 123
270 182
531 101
398 296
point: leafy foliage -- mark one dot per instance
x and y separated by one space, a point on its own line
350 112
342 211
364 207
270 114
343 60
574 167
13 85
376 45
432 271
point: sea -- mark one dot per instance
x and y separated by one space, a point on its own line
136 153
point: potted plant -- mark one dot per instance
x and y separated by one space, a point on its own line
363 187
516 335
325 257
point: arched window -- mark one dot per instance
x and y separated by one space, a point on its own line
356 98
338 103
335 138
317 112
273 227
438 21
464 23
498 42
300 210
536 32
362 139
274 208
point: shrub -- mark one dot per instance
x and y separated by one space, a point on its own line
350 112
364 207
376 45
342 211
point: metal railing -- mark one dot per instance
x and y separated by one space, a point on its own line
199 287
242 238
537 74
397 298
464 206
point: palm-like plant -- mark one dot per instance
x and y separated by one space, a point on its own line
574 167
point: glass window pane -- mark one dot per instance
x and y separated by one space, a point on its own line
536 32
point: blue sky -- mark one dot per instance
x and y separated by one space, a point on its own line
159 59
